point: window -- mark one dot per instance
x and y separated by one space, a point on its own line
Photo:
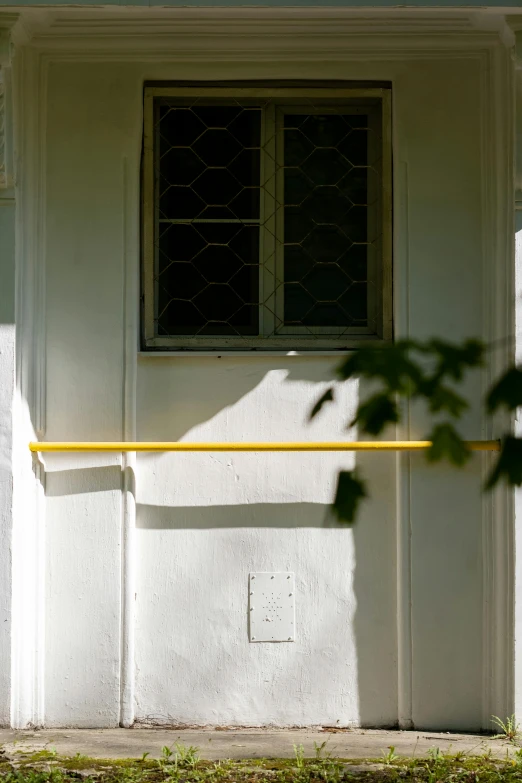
266 218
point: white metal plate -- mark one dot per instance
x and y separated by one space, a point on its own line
272 606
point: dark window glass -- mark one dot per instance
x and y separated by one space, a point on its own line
325 220
208 200
208 164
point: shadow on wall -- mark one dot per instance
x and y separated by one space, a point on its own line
355 608
353 598
203 517
183 393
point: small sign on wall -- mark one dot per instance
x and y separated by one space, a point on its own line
272 606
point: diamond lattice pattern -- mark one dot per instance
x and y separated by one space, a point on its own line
264 227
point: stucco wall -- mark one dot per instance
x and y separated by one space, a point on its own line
7 378
205 521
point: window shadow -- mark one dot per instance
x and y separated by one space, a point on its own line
195 549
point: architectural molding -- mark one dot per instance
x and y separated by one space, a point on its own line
131 310
187 33
3 122
6 134
27 699
518 126
499 321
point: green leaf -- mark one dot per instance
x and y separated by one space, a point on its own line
327 397
509 464
442 398
374 414
452 360
507 391
350 491
389 363
446 443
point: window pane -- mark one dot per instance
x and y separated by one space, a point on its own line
208 279
208 201
326 219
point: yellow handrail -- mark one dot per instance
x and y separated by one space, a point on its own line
361 445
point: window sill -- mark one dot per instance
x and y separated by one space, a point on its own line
231 353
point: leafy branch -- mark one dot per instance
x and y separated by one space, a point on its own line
428 371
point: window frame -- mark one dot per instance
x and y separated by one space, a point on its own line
286 338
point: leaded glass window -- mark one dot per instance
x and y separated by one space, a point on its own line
267 218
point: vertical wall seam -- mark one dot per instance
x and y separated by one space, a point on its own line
488 331
404 585
130 310
39 324
498 508
40 359
504 516
509 493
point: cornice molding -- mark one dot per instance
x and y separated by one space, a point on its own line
246 31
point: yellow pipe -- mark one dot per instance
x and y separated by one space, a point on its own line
361 445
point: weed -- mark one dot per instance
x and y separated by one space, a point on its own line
320 750
509 729
299 756
390 756
182 764
186 756
166 754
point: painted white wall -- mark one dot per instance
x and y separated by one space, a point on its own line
205 521
7 379
84 393
518 492
518 353
438 137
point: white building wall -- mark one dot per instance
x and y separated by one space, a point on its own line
7 371
407 616
7 380
205 521
518 352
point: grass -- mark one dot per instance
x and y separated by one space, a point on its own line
182 764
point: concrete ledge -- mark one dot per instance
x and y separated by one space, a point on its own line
249 743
